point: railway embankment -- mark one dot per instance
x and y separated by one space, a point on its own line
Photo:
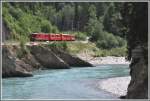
21 62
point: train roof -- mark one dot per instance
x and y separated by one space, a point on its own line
53 33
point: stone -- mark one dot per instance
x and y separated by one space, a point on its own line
47 58
12 69
73 61
138 87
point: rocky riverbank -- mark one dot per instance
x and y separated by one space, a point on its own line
103 60
20 62
109 60
117 86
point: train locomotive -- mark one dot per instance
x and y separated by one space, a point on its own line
51 37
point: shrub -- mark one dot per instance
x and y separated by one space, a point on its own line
122 51
59 45
121 41
23 49
80 35
110 41
55 29
46 27
21 23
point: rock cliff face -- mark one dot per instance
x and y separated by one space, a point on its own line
46 57
12 67
138 87
39 57
137 41
70 59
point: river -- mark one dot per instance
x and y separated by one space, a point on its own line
75 83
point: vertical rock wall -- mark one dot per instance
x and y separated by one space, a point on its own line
138 87
13 67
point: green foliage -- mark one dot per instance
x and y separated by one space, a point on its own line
78 47
121 41
55 29
118 52
100 53
21 23
59 45
94 26
23 49
112 19
98 21
110 41
92 50
95 30
67 17
92 12
102 38
46 27
80 35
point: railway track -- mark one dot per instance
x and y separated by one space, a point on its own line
31 43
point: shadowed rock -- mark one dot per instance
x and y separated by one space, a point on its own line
30 59
47 58
11 68
139 75
73 61
39 57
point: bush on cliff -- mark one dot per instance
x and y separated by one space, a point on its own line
59 45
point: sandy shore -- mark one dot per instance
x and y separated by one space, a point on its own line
103 60
117 86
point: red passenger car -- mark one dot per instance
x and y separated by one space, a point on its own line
51 37
67 37
55 37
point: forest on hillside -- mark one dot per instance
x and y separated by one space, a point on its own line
112 28
98 21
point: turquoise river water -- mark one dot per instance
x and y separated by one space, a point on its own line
75 83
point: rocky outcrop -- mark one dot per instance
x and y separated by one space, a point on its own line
16 63
47 58
31 60
73 61
138 87
13 68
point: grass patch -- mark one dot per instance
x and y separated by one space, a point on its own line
118 52
78 47
59 45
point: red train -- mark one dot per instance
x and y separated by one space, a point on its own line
51 37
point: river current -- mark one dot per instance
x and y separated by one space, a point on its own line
74 83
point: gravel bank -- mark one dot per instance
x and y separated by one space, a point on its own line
103 60
117 86
109 60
